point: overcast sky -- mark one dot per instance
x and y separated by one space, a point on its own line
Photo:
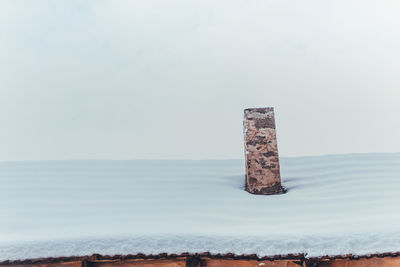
170 79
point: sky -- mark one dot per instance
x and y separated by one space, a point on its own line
170 79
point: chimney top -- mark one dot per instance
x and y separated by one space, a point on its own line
261 152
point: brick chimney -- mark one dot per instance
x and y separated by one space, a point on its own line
261 152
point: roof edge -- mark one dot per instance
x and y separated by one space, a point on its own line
98 257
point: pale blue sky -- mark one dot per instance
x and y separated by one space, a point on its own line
170 79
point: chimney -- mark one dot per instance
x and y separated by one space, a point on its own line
261 152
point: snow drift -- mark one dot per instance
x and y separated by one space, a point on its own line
335 205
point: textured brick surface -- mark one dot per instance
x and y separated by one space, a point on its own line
59 264
141 263
261 151
248 263
372 262
212 262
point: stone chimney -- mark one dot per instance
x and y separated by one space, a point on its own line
261 152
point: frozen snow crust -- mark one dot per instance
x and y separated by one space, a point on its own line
335 205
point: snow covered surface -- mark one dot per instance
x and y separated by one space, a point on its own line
335 205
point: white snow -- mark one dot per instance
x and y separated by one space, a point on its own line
335 205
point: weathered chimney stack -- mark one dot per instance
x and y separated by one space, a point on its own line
261 152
